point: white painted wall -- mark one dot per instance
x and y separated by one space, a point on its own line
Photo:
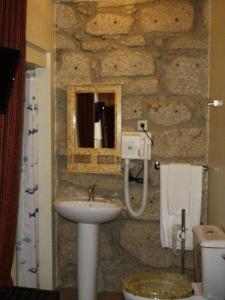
216 194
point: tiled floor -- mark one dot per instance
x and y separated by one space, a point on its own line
71 294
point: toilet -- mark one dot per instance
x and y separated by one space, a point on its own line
149 286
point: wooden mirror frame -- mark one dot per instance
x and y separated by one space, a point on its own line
93 160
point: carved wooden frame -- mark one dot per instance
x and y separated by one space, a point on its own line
92 164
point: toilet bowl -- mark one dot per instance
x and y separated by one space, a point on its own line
149 286
160 286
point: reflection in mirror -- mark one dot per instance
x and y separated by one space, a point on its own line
95 115
94 129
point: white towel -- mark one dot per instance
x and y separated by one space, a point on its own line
178 188
192 203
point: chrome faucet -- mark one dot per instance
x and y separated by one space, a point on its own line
91 192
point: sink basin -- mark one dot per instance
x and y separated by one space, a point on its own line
81 210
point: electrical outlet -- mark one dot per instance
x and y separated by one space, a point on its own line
145 122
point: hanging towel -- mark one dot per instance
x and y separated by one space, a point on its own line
190 189
178 189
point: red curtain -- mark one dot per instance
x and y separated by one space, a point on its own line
12 35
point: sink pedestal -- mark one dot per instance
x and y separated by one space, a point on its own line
87 261
88 215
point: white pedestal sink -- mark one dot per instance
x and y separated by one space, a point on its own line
88 215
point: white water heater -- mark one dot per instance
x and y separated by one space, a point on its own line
136 145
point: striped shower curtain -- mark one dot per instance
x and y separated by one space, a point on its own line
27 229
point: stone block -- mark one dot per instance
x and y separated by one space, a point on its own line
188 259
66 250
67 276
157 41
121 81
186 142
204 209
115 271
61 161
129 9
114 3
61 124
60 140
106 185
109 24
143 86
67 191
64 1
152 210
75 69
168 16
169 113
154 176
127 63
66 18
187 76
145 244
199 110
96 45
61 106
85 8
206 15
133 41
105 243
191 42
132 108
64 41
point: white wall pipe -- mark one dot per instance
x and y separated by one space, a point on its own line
140 211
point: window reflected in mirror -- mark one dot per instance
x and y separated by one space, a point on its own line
95 116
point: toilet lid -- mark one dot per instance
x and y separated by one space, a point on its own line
158 285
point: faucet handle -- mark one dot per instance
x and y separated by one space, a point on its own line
91 187
91 192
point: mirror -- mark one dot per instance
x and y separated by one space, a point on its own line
95 120
94 128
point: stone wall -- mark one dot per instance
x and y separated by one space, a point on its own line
158 51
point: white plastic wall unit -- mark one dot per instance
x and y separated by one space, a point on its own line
45 177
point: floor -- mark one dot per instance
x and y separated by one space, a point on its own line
71 294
